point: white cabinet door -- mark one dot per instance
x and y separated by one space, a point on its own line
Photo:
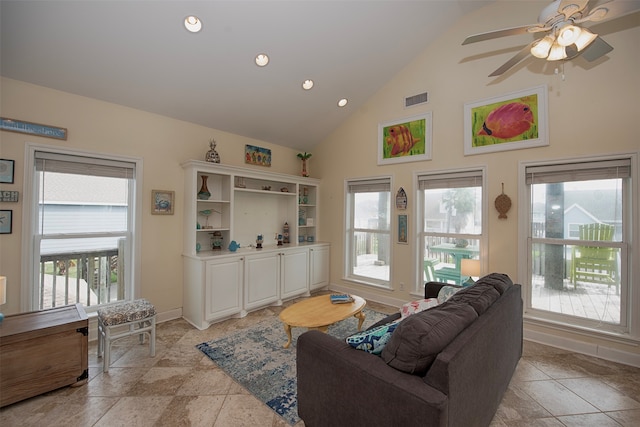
294 272
223 294
319 267
261 279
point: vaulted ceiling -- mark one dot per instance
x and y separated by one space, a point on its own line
138 54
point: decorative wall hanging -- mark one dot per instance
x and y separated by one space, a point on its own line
503 204
257 155
29 128
6 171
6 221
162 202
401 199
510 122
212 155
406 140
8 196
403 229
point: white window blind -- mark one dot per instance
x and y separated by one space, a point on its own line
80 165
370 185
450 180
604 169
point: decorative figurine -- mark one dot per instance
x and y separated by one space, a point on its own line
233 246
212 155
259 242
285 233
216 240
304 157
279 239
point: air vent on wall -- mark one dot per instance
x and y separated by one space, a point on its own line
421 98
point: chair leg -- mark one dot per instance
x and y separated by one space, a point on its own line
100 338
107 349
152 337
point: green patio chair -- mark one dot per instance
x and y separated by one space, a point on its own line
595 264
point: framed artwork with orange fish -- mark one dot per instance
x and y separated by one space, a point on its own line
510 122
405 140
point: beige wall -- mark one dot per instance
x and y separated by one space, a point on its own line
161 142
593 111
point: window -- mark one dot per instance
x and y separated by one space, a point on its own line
368 239
450 224
579 216
81 229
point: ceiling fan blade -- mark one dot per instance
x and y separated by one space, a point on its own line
526 51
503 33
613 9
569 7
596 49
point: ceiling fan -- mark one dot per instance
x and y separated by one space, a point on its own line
566 39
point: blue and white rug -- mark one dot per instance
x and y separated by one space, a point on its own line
255 358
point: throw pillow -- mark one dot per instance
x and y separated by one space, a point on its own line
372 340
419 339
414 307
447 292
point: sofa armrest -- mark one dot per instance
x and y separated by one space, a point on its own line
337 383
431 289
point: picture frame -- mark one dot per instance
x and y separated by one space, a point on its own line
162 202
257 155
30 128
403 229
7 168
405 140
501 123
6 221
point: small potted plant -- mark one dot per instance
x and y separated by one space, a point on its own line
304 158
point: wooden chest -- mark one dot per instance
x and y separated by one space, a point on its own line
41 351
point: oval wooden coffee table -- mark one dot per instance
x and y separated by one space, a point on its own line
320 313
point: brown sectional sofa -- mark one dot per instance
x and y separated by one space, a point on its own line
446 366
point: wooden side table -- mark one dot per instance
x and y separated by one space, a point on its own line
41 351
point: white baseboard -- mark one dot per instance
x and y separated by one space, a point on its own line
590 349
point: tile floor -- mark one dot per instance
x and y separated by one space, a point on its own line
182 387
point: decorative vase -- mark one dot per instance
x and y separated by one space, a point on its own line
212 155
304 167
204 193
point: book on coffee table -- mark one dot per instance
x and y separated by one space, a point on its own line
340 298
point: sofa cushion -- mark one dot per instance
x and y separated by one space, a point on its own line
447 292
417 306
479 296
498 280
373 340
418 339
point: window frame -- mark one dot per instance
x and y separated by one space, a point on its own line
349 229
29 297
420 234
629 328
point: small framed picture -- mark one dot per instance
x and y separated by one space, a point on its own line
6 171
162 202
6 221
403 229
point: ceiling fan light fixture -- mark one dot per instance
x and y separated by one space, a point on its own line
342 102
568 35
541 49
307 84
557 53
192 23
585 39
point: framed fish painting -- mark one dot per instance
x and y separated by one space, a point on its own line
406 140
510 122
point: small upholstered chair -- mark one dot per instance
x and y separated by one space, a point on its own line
122 320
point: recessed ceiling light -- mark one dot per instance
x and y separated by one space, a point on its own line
342 102
307 84
262 59
192 23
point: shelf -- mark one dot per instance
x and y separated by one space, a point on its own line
251 190
212 201
211 230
